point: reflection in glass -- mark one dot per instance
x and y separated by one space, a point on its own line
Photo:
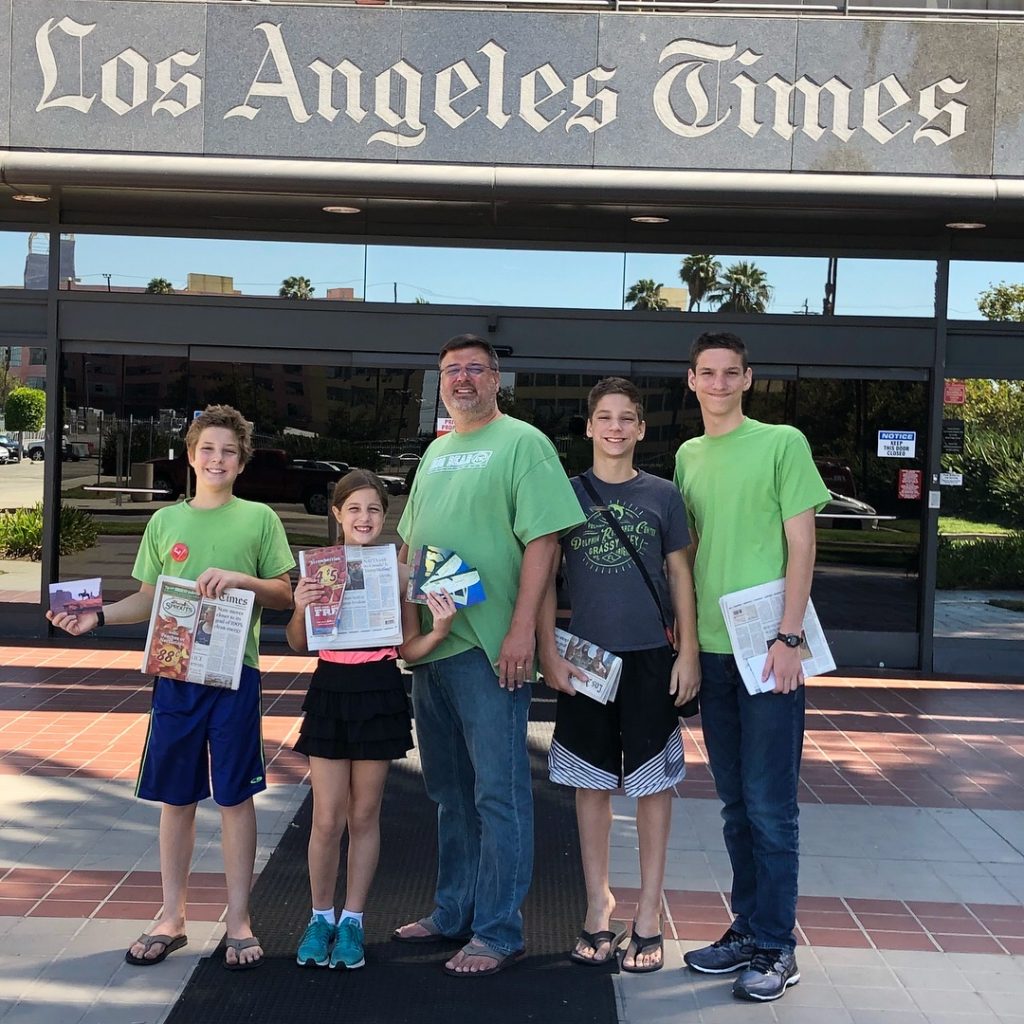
981 531
214 266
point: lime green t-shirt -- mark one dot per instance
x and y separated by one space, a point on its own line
241 536
486 494
739 489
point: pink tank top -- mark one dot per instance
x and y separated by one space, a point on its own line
360 657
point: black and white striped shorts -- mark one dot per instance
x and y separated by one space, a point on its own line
635 741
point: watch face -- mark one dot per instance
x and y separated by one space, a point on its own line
790 639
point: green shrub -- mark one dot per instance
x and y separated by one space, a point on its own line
21 532
994 561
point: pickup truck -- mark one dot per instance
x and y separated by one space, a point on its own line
271 475
36 450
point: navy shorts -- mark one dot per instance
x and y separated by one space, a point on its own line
203 734
634 741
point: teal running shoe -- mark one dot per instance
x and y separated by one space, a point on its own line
315 944
348 945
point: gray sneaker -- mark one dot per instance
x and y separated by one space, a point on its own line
731 952
770 973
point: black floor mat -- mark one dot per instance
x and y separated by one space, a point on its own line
403 984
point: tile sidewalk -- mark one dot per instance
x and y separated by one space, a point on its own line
912 876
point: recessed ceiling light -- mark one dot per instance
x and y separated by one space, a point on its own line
28 197
649 220
965 225
342 209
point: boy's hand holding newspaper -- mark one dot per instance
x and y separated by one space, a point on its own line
213 582
559 673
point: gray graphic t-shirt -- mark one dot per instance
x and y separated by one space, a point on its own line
611 604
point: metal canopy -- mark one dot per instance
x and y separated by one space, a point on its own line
542 206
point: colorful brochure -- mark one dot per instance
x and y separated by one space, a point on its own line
72 597
328 567
434 569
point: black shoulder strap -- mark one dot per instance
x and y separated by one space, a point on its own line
626 543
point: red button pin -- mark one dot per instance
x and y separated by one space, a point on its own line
179 552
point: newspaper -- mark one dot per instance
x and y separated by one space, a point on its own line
753 617
371 607
197 639
327 567
601 667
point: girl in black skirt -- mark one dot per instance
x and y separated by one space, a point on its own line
356 721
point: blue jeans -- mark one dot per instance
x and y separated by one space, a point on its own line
754 745
471 735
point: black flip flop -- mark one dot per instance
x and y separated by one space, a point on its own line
171 943
641 944
595 940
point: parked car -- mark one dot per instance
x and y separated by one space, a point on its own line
36 450
270 476
12 446
842 512
5 455
330 465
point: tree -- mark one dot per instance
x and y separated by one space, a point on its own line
1002 302
25 409
743 288
296 288
159 286
699 273
645 294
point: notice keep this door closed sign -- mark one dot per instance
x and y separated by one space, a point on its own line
897 444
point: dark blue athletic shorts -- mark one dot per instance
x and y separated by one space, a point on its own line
203 734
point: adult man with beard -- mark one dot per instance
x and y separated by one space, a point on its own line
495 492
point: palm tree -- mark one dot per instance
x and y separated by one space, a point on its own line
159 286
645 294
699 273
296 288
743 288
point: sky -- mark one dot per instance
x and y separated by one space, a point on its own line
505 277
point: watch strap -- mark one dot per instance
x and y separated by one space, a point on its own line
101 619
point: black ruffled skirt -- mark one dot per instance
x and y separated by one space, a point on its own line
356 712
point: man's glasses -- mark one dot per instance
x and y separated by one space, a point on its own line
454 370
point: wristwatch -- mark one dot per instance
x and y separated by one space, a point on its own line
790 639
101 619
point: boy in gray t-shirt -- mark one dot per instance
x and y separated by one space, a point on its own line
635 740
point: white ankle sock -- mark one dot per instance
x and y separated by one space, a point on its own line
327 915
357 917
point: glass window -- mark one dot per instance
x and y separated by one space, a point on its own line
986 291
779 284
981 529
212 266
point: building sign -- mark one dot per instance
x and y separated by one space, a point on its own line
897 444
953 437
909 486
568 89
951 479
954 392
445 425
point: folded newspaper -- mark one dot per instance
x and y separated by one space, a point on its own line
601 667
753 617
370 613
197 639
